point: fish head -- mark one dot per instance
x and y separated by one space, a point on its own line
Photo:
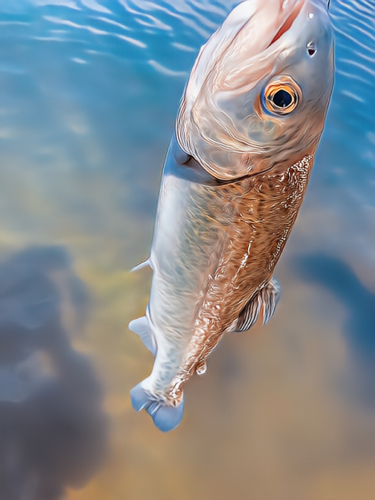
260 88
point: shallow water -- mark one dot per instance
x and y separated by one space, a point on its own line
89 93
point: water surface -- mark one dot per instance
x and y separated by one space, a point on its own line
89 94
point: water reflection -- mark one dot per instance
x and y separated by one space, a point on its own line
89 93
52 426
339 279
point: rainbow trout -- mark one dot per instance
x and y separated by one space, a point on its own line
234 178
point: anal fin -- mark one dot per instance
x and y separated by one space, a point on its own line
142 328
266 299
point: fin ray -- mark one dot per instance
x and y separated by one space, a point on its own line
266 300
270 298
249 315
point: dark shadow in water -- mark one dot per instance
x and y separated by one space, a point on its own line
53 431
359 329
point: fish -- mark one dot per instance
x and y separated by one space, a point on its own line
235 174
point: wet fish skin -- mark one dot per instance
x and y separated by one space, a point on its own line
233 182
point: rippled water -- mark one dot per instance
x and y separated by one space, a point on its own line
89 90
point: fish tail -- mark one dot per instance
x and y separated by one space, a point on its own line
165 416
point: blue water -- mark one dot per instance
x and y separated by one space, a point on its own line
89 91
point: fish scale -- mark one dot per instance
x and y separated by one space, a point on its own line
232 287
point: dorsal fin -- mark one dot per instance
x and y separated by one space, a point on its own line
267 297
142 328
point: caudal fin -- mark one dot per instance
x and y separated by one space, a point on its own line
165 417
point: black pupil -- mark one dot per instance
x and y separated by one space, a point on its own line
282 99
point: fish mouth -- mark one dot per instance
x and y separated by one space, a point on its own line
287 24
270 21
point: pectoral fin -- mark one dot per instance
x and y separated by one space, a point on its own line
142 328
267 298
270 297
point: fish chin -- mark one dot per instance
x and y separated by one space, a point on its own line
222 122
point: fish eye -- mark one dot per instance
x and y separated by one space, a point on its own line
311 48
281 97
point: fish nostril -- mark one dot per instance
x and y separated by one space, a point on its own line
311 49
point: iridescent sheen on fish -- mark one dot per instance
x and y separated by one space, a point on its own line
234 178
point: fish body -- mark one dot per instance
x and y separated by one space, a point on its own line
234 178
